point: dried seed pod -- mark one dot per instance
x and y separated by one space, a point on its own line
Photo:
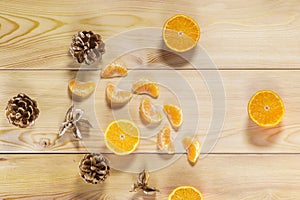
94 168
22 111
72 117
87 47
73 121
142 184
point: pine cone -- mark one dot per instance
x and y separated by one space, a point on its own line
87 47
22 111
94 168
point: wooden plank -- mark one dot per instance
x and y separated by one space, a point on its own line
53 100
235 34
191 91
217 176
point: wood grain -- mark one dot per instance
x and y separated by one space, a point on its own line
217 176
245 46
236 34
239 135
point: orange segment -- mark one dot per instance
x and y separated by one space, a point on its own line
122 136
266 108
174 114
114 70
81 89
181 33
149 112
192 147
116 95
185 193
145 86
164 140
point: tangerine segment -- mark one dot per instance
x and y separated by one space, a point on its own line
192 147
114 70
174 114
145 86
164 140
185 193
266 108
116 95
81 89
122 136
149 112
181 33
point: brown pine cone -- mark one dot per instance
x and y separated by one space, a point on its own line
87 47
22 111
94 168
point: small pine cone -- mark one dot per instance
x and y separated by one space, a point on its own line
22 111
94 168
87 47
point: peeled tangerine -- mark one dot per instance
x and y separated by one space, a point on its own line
192 147
81 89
164 140
114 70
149 112
174 114
116 95
145 86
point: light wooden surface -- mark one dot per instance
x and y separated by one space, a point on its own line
253 44
217 176
237 34
239 135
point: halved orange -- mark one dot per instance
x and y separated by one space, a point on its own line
122 136
185 193
164 140
266 108
81 89
116 95
192 147
149 112
114 70
145 86
174 114
181 33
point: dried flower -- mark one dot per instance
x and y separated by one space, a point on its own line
72 118
142 184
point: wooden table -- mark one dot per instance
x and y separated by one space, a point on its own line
254 45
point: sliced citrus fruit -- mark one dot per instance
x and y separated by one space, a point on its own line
114 70
149 112
122 136
181 33
185 193
174 114
145 86
116 95
81 89
164 140
266 108
192 147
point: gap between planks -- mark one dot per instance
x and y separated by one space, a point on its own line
146 153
